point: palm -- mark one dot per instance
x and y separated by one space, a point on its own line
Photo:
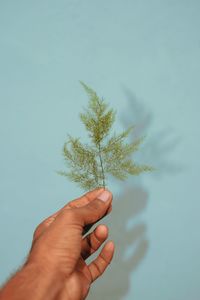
77 284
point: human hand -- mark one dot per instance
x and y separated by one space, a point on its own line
60 248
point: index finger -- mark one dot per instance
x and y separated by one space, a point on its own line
95 210
85 199
76 203
80 201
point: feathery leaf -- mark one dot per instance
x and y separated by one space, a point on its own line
90 165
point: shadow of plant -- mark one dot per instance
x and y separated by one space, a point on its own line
125 226
159 145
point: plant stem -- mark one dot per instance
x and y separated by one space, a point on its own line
100 157
101 162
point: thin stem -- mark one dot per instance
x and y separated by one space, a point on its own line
100 157
101 162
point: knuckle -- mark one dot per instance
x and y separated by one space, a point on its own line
103 259
95 243
96 205
98 269
71 216
37 231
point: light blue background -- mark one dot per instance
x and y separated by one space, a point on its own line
144 58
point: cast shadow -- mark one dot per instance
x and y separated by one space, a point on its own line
159 145
116 280
126 227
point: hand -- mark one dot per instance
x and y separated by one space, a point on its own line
59 247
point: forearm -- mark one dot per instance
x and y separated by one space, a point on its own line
31 283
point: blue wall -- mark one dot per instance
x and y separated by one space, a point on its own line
144 58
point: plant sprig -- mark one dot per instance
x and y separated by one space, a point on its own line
90 165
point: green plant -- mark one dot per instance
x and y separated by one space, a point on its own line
91 164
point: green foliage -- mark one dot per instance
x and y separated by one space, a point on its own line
91 164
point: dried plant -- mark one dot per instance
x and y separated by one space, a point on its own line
90 165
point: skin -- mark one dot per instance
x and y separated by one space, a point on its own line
56 266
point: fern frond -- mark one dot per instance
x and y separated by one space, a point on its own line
97 120
90 165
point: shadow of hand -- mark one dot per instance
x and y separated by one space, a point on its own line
116 281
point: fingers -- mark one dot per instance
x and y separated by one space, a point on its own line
42 227
96 209
78 202
99 265
93 241
85 199
87 227
88 214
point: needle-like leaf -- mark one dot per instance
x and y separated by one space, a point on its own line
90 165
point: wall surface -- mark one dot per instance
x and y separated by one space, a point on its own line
144 58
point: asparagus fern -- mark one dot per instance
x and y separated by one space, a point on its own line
90 165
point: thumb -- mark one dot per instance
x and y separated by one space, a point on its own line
95 209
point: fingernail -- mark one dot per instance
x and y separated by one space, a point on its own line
104 196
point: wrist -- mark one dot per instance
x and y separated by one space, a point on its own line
32 282
49 281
